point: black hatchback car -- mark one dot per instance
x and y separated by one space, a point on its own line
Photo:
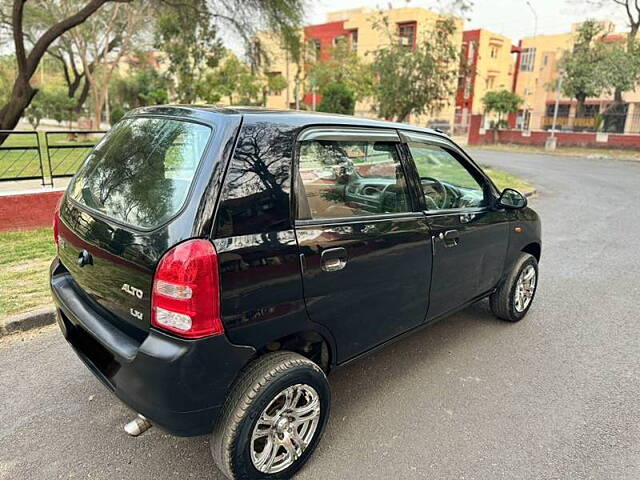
213 264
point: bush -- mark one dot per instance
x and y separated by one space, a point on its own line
337 98
116 114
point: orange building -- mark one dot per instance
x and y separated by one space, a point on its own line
487 64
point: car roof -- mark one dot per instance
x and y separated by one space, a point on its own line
299 117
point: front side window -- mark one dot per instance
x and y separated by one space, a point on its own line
350 179
141 172
446 183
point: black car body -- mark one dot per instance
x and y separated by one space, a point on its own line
328 240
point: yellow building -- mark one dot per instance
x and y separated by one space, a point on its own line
356 26
277 61
537 80
411 24
487 65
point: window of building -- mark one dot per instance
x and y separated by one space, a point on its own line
314 49
495 51
337 40
563 110
491 82
467 88
351 179
528 60
407 34
354 40
471 51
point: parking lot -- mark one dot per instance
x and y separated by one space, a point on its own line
553 397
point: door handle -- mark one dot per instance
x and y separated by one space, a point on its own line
450 238
333 259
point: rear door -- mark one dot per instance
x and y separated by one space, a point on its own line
469 237
364 242
111 231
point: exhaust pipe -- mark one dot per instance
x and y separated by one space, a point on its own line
137 426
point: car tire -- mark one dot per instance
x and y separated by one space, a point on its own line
507 301
261 411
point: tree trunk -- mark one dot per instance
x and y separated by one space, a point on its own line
84 94
580 100
21 97
22 93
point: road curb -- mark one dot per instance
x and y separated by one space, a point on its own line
27 321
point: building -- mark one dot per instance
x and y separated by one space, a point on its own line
277 61
488 64
537 84
356 26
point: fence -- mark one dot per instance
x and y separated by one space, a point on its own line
20 156
479 136
23 156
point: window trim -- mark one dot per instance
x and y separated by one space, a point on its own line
490 190
356 134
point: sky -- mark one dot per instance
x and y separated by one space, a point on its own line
512 18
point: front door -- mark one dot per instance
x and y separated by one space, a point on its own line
364 242
469 237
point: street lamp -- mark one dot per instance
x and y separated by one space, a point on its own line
528 93
551 142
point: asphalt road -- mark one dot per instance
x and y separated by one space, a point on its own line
553 397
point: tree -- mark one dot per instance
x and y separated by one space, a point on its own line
274 83
337 98
41 15
619 71
503 102
116 23
7 77
631 9
621 81
139 87
344 67
232 80
188 36
415 80
582 68
22 92
35 111
50 102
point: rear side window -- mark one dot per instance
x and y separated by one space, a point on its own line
350 179
141 172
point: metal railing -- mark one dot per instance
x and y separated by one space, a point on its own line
28 158
65 158
21 161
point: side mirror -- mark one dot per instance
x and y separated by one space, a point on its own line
512 199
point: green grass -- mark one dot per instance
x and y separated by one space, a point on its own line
24 262
506 180
26 163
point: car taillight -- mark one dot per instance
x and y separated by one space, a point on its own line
56 220
186 293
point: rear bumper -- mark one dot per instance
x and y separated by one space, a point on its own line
179 385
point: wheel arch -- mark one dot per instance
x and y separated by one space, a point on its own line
315 345
534 249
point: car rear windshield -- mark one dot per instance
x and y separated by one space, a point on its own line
141 172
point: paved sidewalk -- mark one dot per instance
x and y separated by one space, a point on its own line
19 187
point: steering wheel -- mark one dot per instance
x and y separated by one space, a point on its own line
441 187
